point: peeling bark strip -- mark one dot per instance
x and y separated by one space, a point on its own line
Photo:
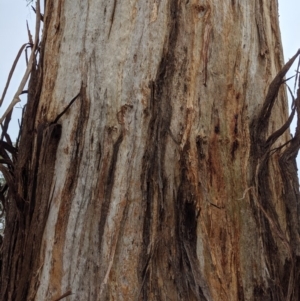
262 120
19 214
288 167
267 215
33 215
32 207
30 200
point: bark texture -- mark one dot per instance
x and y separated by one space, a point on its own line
156 182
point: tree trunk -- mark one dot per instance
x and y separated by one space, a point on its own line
146 169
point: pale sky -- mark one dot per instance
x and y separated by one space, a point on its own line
13 33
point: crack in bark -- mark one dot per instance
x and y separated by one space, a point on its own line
153 177
112 16
259 12
190 284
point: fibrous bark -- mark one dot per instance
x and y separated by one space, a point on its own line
159 181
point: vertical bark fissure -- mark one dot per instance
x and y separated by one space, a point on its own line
153 175
112 16
105 205
68 193
186 216
190 283
108 187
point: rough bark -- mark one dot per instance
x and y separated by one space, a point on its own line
146 168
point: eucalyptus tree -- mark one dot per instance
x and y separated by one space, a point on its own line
155 160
